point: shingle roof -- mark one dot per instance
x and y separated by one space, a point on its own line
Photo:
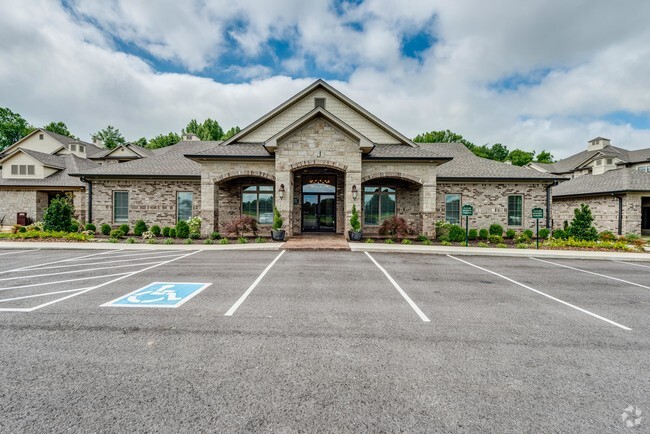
56 161
466 165
234 150
569 164
61 178
91 149
639 156
138 150
405 152
171 163
613 181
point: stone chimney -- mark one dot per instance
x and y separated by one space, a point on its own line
190 137
597 144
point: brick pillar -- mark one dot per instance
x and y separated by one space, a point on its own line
209 206
284 205
351 178
428 209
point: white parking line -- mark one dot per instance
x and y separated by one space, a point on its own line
128 253
238 303
76 271
19 251
414 306
4 300
101 263
31 309
27 267
544 294
62 281
591 272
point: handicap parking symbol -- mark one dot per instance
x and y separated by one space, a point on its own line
159 294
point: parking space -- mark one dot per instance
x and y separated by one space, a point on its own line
287 341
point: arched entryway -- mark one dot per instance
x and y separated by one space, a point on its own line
250 194
386 196
318 200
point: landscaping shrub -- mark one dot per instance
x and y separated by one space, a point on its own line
113 240
277 220
473 234
445 243
125 228
90 227
241 226
165 231
58 216
407 241
496 229
182 229
260 240
208 241
529 233
395 227
389 241
172 233
74 228
510 234
355 224
105 228
607 236
421 238
495 239
187 241
139 227
608 245
151 241
522 238
147 235
442 228
130 240
632 237
168 241
522 245
194 224
44 235
155 230
456 233
242 240
371 241
482 244
215 236
559 234
544 233
483 234
581 227
426 242
224 241
443 238
194 235
116 233
501 246
22 229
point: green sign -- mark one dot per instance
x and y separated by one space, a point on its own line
538 213
468 210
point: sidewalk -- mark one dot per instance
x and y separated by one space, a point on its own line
33 245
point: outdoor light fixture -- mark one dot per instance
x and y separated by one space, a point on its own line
281 191
355 192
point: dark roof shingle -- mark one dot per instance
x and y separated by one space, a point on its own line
613 181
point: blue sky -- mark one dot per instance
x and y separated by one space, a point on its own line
491 71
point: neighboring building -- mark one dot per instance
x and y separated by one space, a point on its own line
36 169
614 182
314 157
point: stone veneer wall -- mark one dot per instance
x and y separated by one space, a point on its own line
34 203
490 201
153 201
604 209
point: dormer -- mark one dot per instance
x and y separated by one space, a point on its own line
597 144
190 137
603 164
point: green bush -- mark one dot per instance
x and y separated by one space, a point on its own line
632 237
421 238
165 231
495 239
445 243
116 233
124 228
529 233
277 220
389 241
105 228
224 241
168 241
113 240
139 227
544 233
581 227
155 229
187 241
407 241
172 233
443 238
425 242
260 240
482 244
473 234
510 234
483 234
151 241
182 229
496 229
501 246
242 240
130 240
90 227
355 224
215 236
208 241
559 234
602 245
522 238
369 240
456 233
58 216
74 228
22 229
607 236
194 235
522 245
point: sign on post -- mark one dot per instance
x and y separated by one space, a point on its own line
159 294
538 213
467 211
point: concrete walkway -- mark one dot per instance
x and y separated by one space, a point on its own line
316 242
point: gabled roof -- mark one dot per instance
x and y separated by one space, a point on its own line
569 164
64 140
48 160
401 152
613 181
314 86
139 152
71 164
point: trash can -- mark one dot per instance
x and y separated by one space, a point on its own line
21 219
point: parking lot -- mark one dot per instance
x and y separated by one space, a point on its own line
320 341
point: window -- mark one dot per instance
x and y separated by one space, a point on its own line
40 137
14 169
452 208
319 102
73 148
120 206
378 204
30 169
609 161
183 205
82 148
257 202
640 169
515 210
599 162
23 169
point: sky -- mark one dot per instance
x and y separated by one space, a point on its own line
534 75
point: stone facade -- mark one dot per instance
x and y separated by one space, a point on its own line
153 201
34 203
490 201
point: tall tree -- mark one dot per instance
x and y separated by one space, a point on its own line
111 137
141 142
163 140
13 127
520 158
231 132
208 130
545 157
59 128
444 136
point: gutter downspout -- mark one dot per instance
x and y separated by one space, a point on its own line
620 213
548 203
90 199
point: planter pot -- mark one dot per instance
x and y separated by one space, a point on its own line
355 236
277 235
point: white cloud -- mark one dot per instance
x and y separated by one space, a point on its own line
58 65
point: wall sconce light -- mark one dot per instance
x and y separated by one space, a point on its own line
281 191
355 192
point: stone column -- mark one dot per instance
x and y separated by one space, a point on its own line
284 205
351 178
209 206
428 208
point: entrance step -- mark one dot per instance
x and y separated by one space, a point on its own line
316 242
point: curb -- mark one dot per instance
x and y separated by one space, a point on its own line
29 245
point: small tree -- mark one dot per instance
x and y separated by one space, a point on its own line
277 220
581 227
139 228
182 229
395 226
355 224
242 225
58 216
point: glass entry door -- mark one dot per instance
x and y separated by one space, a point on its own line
319 204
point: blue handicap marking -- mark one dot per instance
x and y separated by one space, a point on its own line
160 294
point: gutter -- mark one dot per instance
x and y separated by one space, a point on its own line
89 215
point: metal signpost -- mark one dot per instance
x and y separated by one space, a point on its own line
467 211
538 213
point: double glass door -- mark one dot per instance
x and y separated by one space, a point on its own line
318 212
